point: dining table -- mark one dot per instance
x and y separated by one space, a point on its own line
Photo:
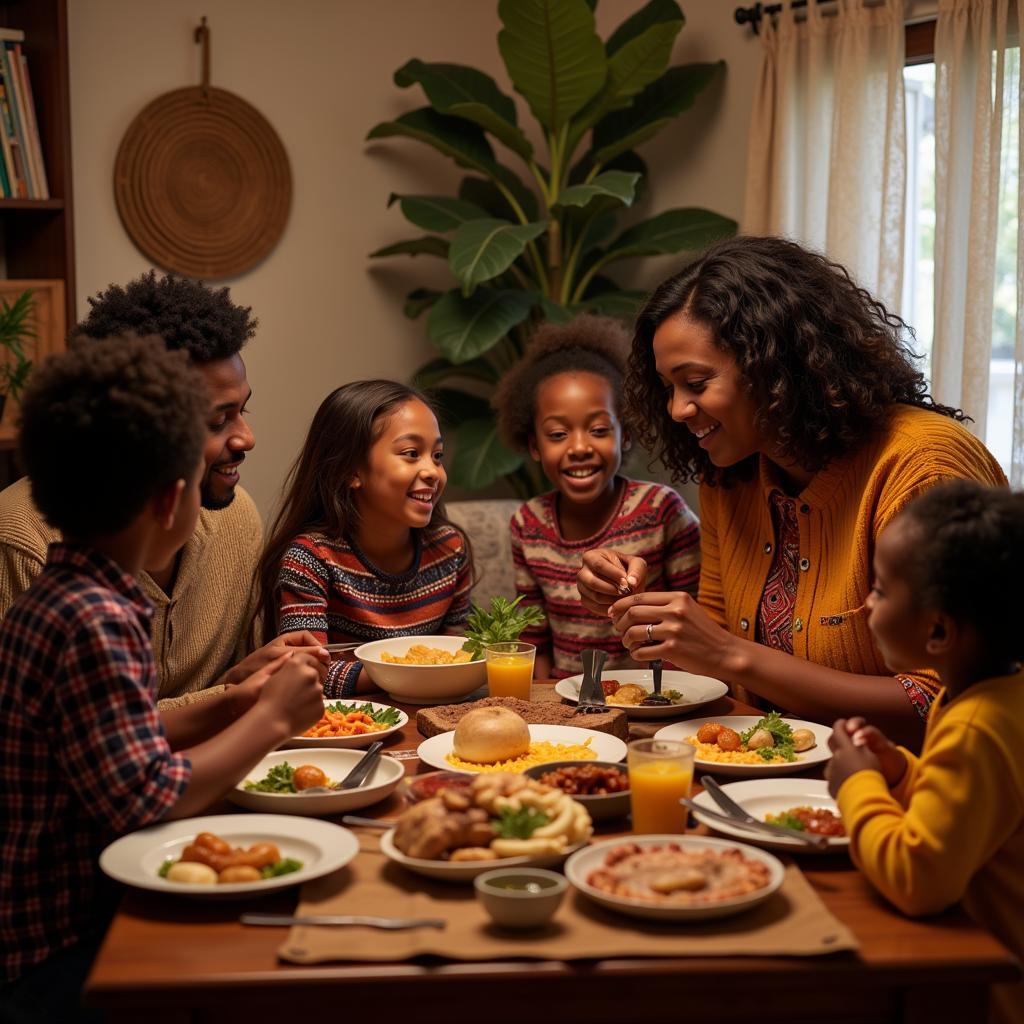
171 960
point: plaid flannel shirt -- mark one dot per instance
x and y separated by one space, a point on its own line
83 754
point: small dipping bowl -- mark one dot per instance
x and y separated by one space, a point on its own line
520 897
430 784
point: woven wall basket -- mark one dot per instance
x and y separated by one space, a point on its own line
202 181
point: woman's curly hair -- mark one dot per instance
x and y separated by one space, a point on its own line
586 344
185 313
824 362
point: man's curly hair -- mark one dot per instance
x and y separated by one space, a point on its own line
185 313
105 427
965 557
823 361
586 344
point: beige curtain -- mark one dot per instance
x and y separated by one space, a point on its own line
827 157
971 37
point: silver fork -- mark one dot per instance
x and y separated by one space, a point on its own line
591 699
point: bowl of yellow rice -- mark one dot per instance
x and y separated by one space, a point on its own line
422 669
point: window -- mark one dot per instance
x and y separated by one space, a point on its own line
919 259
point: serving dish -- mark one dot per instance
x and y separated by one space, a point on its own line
606 748
759 797
421 684
696 690
465 870
581 864
335 764
322 847
600 807
818 754
348 742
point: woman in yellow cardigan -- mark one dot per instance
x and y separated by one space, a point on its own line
791 395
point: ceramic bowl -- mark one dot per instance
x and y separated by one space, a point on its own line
520 897
421 684
600 808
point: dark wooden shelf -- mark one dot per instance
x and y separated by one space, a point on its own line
32 204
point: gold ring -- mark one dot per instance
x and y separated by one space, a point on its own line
650 628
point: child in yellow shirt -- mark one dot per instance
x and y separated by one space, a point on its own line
948 825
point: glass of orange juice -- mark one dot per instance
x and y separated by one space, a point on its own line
660 774
509 669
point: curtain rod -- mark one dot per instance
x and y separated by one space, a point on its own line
752 15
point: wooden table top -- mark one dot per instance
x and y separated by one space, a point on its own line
180 961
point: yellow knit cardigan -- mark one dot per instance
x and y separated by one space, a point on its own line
840 513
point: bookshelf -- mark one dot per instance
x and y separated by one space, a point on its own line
37 235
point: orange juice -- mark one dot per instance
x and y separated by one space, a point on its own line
510 675
656 787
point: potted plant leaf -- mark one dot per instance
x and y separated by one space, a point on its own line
15 330
539 244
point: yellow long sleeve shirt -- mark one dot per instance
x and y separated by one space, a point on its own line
840 514
954 827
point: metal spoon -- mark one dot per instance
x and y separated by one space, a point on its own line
357 776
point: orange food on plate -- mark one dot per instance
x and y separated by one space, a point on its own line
337 723
709 731
728 739
308 775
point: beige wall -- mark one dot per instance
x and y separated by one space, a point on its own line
320 71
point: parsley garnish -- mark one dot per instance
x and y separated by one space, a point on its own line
385 716
277 780
518 824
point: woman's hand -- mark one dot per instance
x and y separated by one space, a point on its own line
847 758
607 575
675 628
300 641
891 760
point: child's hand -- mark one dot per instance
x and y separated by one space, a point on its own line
264 656
891 760
294 692
607 575
847 759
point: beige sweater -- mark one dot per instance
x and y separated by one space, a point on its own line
199 630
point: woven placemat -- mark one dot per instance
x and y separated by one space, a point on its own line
202 183
793 921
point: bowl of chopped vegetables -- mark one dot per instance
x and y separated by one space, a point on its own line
347 724
302 782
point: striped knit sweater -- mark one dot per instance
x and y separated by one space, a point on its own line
332 589
840 514
652 521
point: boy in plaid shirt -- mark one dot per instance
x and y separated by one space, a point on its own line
112 437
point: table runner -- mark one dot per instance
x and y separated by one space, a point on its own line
793 921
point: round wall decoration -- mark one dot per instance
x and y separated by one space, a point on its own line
202 182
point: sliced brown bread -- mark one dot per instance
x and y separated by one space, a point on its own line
444 718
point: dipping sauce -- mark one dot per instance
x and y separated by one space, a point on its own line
516 883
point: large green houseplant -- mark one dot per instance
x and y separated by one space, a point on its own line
15 330
540 248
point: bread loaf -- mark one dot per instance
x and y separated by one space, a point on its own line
445 717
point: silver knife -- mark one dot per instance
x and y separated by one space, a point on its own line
735 814
389 923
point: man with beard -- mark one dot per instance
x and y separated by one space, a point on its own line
203 599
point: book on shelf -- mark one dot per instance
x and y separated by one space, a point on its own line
23 174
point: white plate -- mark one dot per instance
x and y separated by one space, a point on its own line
606 748
772 796
464 871
135 859
579 866
347 742
818 754
335 764
696 691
